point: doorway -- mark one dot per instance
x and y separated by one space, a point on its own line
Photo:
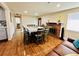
18 21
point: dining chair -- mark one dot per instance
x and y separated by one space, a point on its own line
39 36
26 36
46 34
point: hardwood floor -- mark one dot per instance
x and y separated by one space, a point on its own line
15 47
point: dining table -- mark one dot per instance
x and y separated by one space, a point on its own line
32 31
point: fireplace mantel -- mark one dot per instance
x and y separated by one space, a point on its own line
53 23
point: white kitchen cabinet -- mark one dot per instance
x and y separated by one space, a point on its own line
3 26
3 33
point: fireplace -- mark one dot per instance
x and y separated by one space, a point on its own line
54 29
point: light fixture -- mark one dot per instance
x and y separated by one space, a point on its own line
48 2
58 5
36 14
25 11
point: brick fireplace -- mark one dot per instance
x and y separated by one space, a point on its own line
54 29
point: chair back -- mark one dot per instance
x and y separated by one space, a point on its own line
26 35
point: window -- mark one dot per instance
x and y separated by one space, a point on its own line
73 22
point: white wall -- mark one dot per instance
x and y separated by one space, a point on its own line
48 18
29 20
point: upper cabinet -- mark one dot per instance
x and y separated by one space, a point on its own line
2 14
2 17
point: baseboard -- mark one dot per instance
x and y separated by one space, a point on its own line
4 40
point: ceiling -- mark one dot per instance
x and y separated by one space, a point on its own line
40 8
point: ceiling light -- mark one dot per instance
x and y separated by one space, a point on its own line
25 11
36 14
58 5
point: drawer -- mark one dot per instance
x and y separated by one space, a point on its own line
2 34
